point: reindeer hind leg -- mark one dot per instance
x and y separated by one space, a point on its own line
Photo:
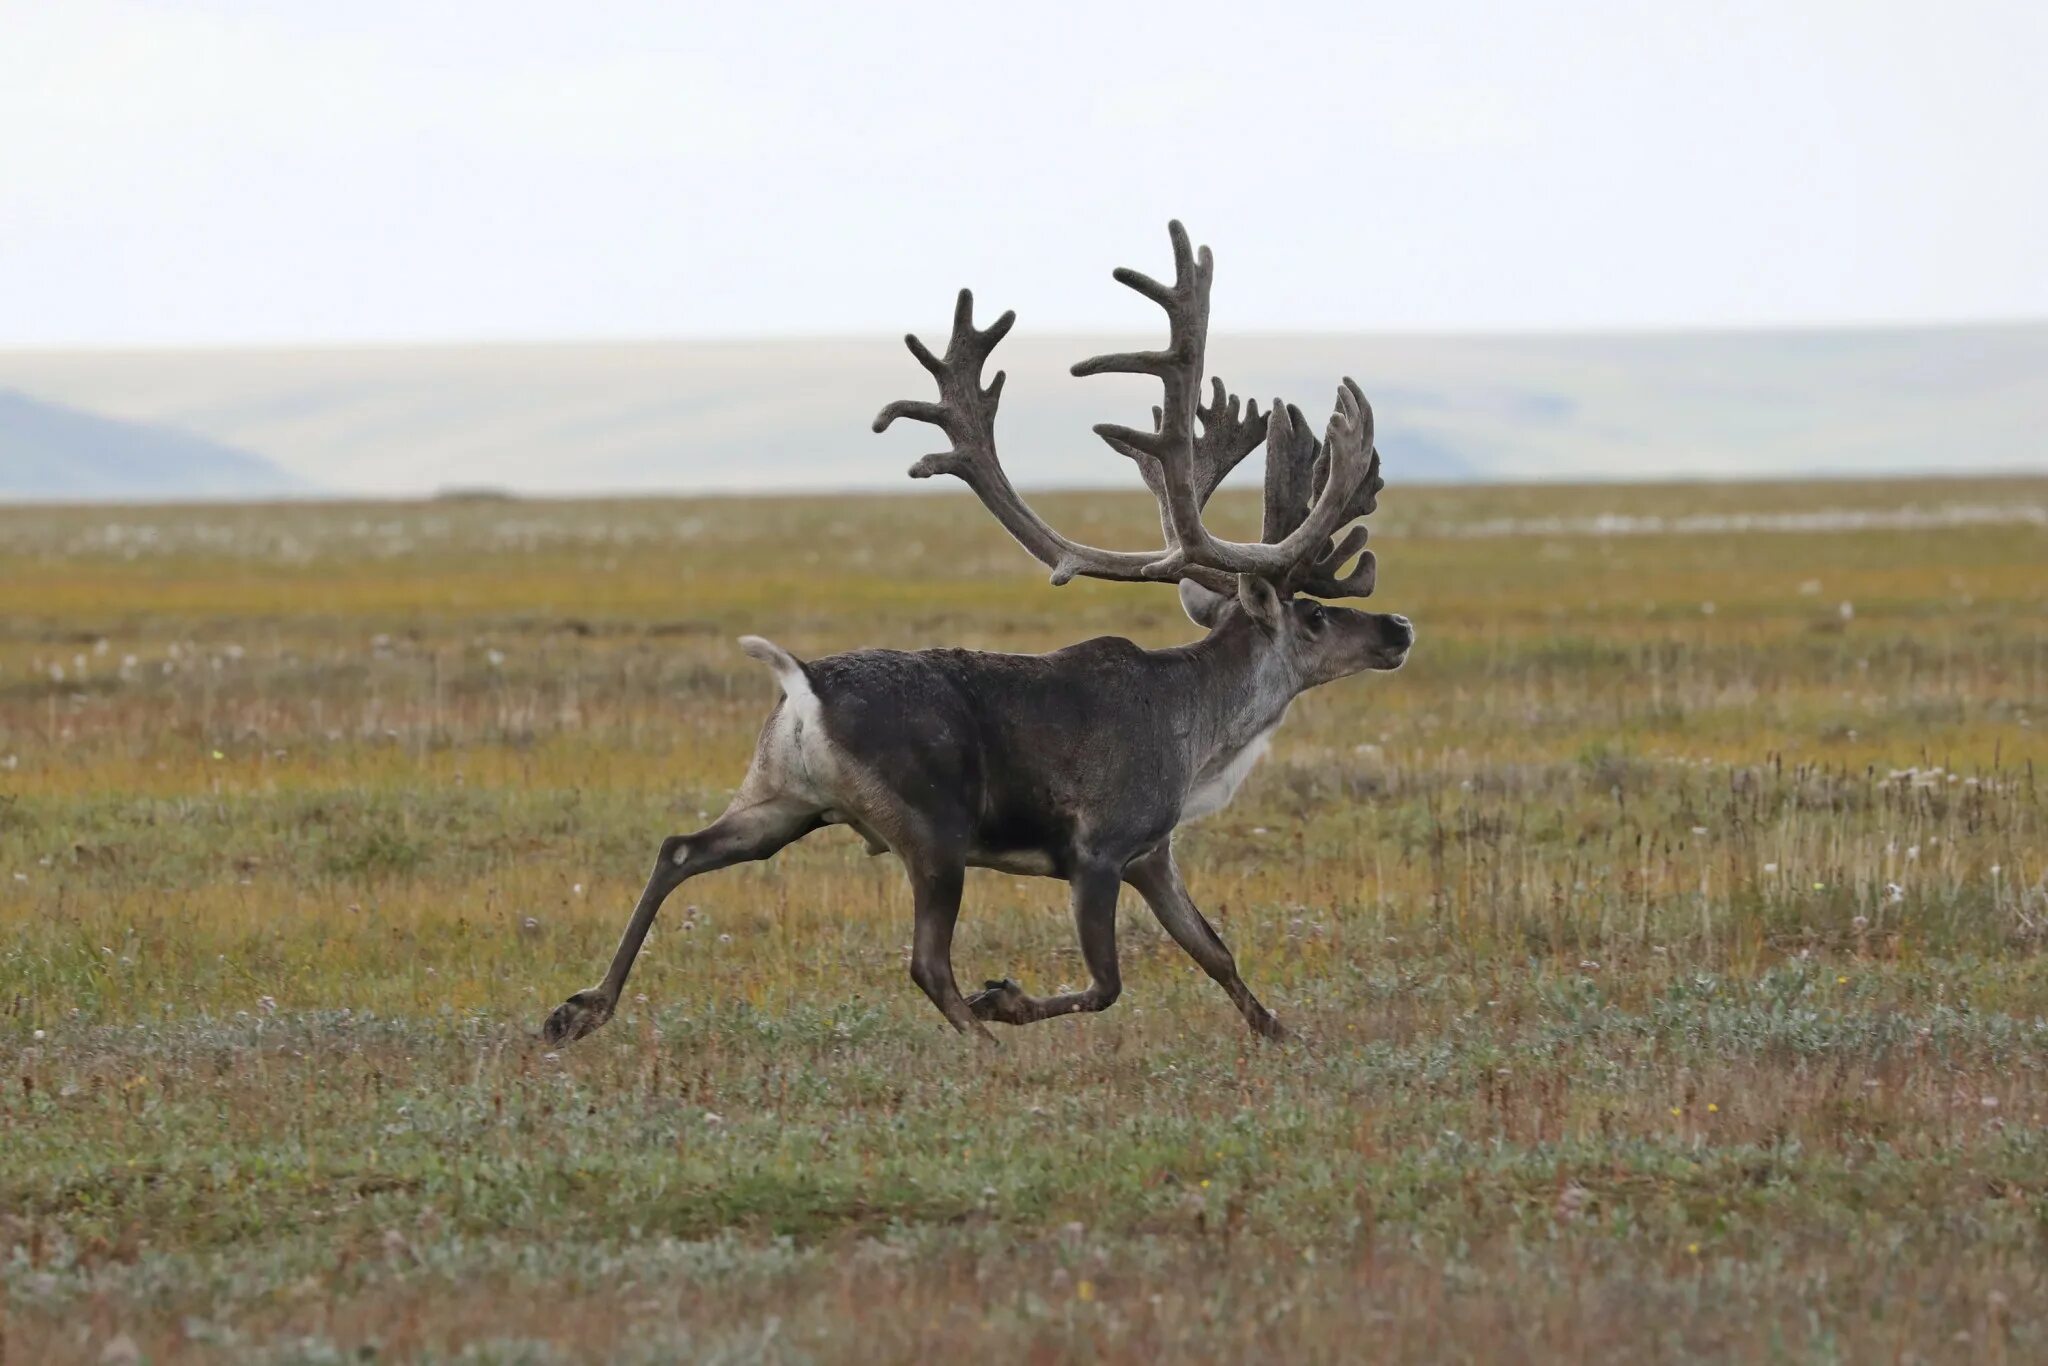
752 828
936 882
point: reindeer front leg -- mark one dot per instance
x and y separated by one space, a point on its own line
1158 880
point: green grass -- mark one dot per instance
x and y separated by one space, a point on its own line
1672 980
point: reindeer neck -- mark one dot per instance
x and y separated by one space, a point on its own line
1239 687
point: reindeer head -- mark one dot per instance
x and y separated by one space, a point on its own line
1315 643
1314 489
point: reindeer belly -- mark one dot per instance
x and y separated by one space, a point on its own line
1219 780
1017 862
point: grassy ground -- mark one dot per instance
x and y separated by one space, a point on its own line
1670 940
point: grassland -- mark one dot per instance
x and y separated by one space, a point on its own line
1670 940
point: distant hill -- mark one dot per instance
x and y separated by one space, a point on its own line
48 451
770 414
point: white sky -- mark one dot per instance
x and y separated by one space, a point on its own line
222 171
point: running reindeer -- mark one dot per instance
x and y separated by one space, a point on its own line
1077 764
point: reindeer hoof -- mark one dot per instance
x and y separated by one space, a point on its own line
1002 1001
581 1014
1270 1029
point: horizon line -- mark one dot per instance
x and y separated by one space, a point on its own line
456 494
1660 331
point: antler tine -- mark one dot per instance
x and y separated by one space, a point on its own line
965 407
1321 579
1228 436
1366 497
1178 368
1297 472
1292 452
966 413
1230 431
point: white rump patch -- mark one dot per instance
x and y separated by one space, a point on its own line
795 757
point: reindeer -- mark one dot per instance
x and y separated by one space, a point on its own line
1078 764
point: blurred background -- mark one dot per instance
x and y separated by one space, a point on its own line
257 249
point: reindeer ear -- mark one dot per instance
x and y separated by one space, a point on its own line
1203 606
1261 600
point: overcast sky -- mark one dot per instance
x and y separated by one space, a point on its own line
225 171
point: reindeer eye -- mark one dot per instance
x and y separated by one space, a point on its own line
1315 617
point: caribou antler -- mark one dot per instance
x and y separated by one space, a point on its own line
1312 488
966 412
1171 445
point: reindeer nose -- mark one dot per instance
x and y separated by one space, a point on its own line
1404 628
